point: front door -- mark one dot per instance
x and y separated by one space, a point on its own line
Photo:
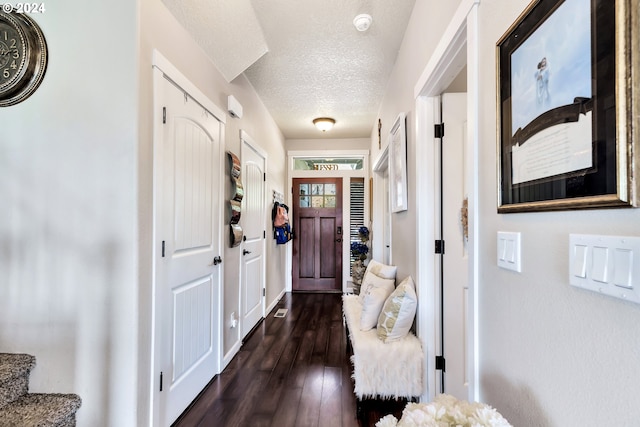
253 226
317 224
187 237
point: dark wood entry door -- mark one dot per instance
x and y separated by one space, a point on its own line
317 222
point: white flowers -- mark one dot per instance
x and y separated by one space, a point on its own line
446 411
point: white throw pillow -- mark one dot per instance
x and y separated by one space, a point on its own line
372 281
374 272
382 270
398 312
374 298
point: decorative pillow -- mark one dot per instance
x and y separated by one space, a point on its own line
376 270
374 299
398 312
372 281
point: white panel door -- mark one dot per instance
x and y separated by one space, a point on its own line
454 113
253 222
188 224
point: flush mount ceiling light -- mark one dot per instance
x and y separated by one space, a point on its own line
362 22
324 123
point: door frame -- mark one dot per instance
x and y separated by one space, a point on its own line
382 210
246 140
459 45
164 69
346 201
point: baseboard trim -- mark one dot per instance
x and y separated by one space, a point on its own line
231 354
275 302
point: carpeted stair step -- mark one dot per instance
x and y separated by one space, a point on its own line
14 376
41 410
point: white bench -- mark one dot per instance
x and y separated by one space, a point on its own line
392 370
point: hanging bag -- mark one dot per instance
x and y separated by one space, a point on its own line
281 217
282 234
281 227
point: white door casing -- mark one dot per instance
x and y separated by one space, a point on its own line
253 221
386 219
187 240
454 117
382 210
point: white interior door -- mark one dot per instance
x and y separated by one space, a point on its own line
253 223
188 163
455 261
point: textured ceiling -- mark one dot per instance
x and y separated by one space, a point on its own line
316 62
227 30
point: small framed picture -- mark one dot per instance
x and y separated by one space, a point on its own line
398 164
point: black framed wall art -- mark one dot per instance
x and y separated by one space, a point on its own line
568 106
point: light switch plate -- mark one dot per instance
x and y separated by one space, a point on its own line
608 265
509 251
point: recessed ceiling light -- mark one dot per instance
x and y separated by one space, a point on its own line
362 22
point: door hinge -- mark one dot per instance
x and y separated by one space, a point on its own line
265 177
264 234
440 363
264 292
440 246
163 249
160 380
164 115
438 130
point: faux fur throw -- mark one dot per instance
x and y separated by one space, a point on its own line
387 370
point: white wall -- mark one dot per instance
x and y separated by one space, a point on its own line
68 227
551 354
328 144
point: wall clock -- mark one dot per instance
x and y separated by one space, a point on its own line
23 57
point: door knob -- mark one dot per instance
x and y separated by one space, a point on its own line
244 252
217 260
339 240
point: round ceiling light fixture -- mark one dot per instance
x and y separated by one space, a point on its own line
362 22
324 123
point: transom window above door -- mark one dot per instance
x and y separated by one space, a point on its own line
327 164
317 195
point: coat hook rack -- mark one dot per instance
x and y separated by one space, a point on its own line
278 197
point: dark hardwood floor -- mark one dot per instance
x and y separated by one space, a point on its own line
291 371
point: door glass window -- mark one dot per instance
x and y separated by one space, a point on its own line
305 198
317 189
317 195
317 201
330 189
